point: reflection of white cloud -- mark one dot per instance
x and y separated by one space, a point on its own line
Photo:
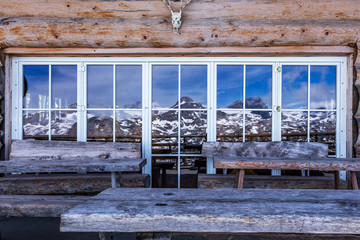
322 95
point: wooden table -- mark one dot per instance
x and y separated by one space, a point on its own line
114 166
217 210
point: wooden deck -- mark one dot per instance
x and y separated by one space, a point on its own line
217 210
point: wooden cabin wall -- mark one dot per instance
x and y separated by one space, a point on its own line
207 24
2 104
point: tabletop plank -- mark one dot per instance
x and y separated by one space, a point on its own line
217 210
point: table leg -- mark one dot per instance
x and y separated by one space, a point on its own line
354 181
239 179
113 179
337 179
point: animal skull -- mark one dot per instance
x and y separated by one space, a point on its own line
176 19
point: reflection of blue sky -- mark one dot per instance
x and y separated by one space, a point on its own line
323 87
64 86
194 83
259 82
100 86
229 84
128 85
165 85
294 87
37 80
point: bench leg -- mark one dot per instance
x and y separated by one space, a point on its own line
337 179
354 181
113 179
154 236
239 179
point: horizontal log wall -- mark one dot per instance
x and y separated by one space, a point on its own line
78 23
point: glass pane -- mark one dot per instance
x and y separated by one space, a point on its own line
193 131
258 126
36 125
64 125
164 172
100 126
165 132
36 87
230 86
294 87
128 126
128 86
229 126
189 169
193 87
165 86
100 86
258 87
323 87
294 126
64 87
323 129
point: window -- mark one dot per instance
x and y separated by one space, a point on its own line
172 105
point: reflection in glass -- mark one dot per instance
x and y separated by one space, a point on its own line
193 86
258 126
258 87
100 86
36 86
229 126
165 132
189 169
323 129
323 87
64 125
129 86
294 87
100 126
128 126
64 87
36 125
164 172
192 131
164 86
294 126
230 86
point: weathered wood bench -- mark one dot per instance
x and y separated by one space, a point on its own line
217 211
33 156
277 155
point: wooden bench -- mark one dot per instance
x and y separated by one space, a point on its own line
277 155
34 156
217 211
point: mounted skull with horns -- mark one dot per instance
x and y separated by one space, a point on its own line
176 15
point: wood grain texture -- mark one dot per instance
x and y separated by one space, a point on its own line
357 88
68 150
264 149
217 210
37 205
321 164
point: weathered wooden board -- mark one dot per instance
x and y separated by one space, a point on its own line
211 181
65 150
264 149
158 32
37 205
217 210
68 165
245 9
67 183
321 164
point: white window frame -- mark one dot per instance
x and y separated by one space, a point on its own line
146 62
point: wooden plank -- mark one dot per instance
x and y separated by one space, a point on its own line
67 183
158 32
142 9
265 149
37 205
65 150
284 50
69 165
321 164
217 210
